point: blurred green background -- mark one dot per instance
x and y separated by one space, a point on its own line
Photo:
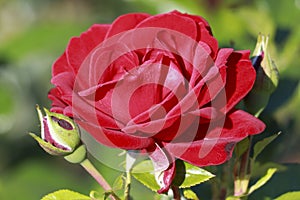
33 33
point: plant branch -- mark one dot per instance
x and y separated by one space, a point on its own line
242 172
89 167
176 193
127 186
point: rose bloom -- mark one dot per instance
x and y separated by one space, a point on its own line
157 84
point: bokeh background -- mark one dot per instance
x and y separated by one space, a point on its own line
33 33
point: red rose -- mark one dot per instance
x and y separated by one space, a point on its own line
158 84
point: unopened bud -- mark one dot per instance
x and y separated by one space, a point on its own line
267 77
59 134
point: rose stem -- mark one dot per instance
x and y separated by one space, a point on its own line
127 186
176 193
89 167
243 173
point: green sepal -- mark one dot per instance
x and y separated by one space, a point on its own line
267 78
48 147
267 64
60 135
77 156
69 138
65 195
260 145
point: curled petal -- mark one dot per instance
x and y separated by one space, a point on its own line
217 146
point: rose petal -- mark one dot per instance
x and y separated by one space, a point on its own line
217 146
206 37
61 65
196 18
168 176
57 103
115 138
204 34
159 158
126 22
172 21
240 77
80 47
164 167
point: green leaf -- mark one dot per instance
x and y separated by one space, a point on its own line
289 196
65 195
194 175
259 169
119 183
259 146
144 173
262 180
189 194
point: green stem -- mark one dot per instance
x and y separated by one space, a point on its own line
89 167
127 186
243 172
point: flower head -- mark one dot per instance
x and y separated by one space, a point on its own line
159 84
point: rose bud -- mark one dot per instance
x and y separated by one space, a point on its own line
59 135
266 79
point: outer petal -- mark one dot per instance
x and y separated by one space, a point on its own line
196 18
79 47
240 77
115 138
217 146
168 176
204 32
164 168
126 22
61 65
172 21
57 103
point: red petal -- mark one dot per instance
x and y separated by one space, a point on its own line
126 22
159 158
217 146
168 176
57 103
115 138
172 21
198 19
79 47
207 38
61 65
204 33
240 77
164 168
